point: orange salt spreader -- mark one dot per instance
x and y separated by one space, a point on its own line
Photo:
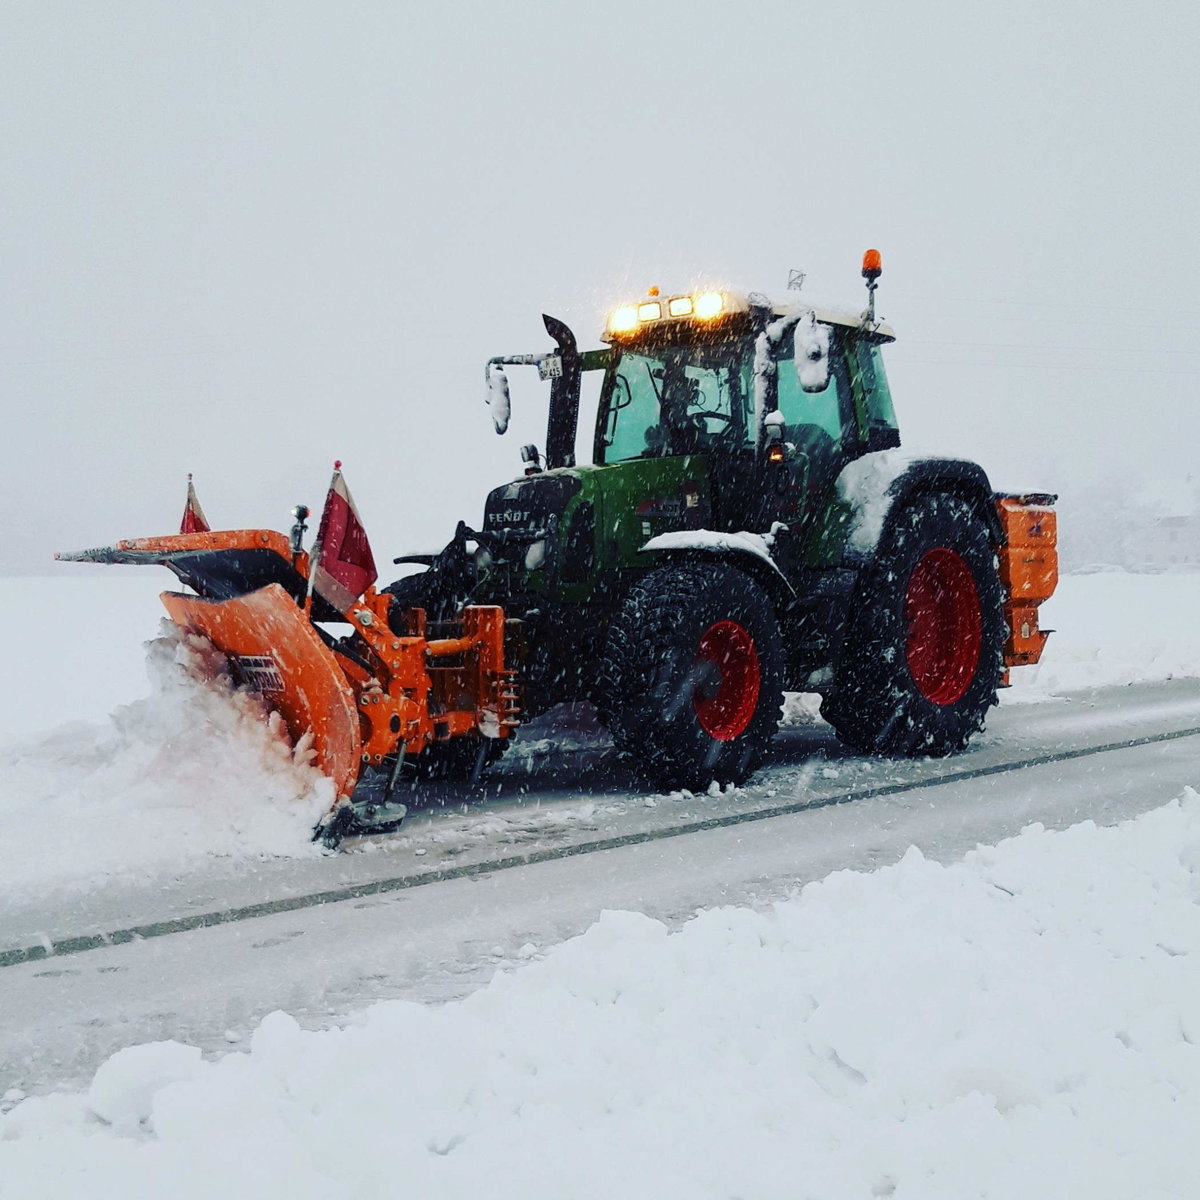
1028 572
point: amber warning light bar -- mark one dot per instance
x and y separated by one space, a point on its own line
631 317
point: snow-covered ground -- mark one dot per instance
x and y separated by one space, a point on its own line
1114 628
1022 1022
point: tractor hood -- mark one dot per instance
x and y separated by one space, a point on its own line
530 508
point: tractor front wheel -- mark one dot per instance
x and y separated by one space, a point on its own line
692 678
921 655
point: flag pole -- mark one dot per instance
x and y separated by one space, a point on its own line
314 555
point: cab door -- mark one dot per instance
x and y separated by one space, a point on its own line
820 435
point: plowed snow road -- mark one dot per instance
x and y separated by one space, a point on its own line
427 914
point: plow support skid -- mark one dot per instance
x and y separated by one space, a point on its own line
274 650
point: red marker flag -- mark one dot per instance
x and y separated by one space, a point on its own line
345 566
194 520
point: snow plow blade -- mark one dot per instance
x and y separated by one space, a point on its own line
384 698
275 651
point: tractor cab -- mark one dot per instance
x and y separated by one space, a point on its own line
663 397
710 372
777 399
716 373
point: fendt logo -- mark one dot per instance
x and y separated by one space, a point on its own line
661 507
510 516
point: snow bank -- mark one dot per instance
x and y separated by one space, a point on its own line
73 646
1024 1023
1114 629
124 1087
193 769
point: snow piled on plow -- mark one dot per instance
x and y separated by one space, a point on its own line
196 768
1022 1023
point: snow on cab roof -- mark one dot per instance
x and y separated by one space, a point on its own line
828 314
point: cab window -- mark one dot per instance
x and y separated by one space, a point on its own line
675 400
878 396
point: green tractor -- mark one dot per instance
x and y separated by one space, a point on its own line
746 527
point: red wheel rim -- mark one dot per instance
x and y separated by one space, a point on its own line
945 630
725 698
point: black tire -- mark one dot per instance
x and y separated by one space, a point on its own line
691 683
922 651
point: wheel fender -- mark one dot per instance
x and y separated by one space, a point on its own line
881 483
749 552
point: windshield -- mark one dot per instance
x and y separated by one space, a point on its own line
676 400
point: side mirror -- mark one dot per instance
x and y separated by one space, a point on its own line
812 353
773 424
531 458
498 399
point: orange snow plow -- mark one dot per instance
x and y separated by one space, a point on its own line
386 697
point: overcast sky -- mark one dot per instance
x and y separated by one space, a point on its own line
242 239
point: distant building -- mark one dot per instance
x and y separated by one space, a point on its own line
1166 529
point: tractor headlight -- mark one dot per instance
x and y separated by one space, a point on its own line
624 320
650 311
710 305
680 306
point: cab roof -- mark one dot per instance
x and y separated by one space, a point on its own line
733 304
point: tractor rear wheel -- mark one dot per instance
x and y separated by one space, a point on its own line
921 656
692 679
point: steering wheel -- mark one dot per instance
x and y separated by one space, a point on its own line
700 415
